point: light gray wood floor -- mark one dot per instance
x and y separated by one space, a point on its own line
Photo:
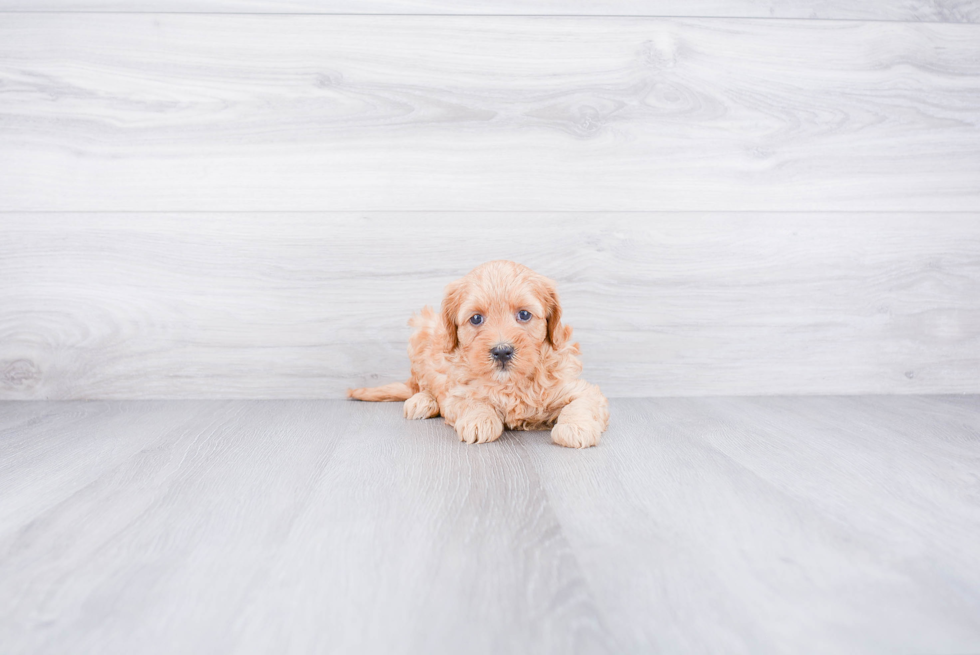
791 525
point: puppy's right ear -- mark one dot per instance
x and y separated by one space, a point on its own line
450 310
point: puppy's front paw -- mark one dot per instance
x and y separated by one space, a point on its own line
479 427
576 434
421 405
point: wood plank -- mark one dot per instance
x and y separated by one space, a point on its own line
285 305
293 526
949 11
85 443
737 525
427 546
129 112
777 525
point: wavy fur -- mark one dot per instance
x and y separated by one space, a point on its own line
455 375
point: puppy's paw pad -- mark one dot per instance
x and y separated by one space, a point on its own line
421 405
479 429
576 435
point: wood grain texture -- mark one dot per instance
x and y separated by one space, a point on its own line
271 527
723 524
305 305
699 525
275 112
951 11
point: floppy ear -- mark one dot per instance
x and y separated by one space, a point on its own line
451 304
557 334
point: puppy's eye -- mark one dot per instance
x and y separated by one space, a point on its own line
523 316
476 319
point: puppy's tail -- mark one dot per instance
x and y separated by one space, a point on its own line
393 391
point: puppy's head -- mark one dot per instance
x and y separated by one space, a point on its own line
501 316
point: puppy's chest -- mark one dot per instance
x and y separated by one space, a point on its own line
522 412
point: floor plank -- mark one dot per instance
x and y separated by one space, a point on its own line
306 305
951 11
751 502
756 525
155 112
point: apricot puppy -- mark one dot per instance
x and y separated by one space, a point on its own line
498 357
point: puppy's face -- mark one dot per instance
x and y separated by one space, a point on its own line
501 316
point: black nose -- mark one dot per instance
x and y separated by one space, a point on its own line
502 353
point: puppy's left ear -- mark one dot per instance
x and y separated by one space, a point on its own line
557 334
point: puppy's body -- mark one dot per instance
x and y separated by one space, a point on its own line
498 356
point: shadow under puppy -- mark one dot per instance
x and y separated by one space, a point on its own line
498 357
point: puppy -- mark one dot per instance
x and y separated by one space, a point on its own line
498 357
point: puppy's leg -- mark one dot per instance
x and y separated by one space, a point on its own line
476 422
479 423
421 405
583 419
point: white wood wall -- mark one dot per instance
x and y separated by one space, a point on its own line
248 199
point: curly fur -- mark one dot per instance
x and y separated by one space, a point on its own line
455 375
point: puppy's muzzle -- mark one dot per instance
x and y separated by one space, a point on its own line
502 354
